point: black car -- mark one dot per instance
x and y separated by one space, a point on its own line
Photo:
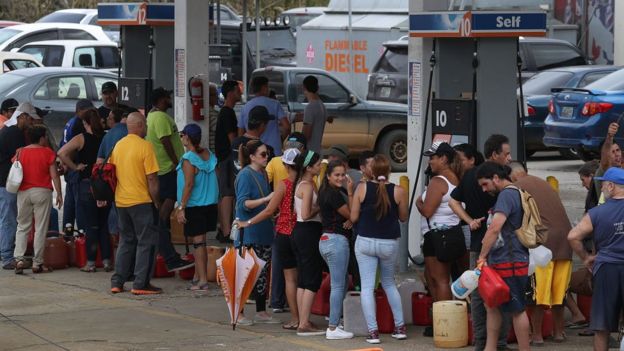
537 92
388 80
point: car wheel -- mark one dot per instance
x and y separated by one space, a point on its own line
568 154
394 145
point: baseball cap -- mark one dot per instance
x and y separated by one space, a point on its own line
613 174
109 87
9 104
192 130
440 148
289 156
84 104
295 140
23 108
340 151
259 114
160 93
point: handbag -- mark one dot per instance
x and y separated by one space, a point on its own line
449 244
104 181
16 175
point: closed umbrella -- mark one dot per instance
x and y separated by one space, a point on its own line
237 275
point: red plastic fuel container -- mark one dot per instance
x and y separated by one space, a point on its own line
161 268
80 247
321 300
584 303
492 288
421 306
385 320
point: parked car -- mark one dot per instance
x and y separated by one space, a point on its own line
80 16
4 24
388 78
359 124
10 61
75 53
298 16
55 90
579 117
537 92
18 36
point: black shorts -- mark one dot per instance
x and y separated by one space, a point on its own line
306 237
168 186
428 250
200 220
284 248
225 176
607 299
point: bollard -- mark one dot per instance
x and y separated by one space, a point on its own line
554 183
404 240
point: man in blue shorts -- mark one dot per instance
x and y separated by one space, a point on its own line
503 252
606 222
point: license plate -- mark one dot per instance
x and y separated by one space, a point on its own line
567 112
385 92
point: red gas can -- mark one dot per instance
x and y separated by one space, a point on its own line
187 274
321 299
492 288
55 253
421 309
80 244
584 303
385 320
161 268
547 324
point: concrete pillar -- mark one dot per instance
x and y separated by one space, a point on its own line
618 33
190 59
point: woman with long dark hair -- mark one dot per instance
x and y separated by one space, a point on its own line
377 208
198 194
79 155
252 196
282 201
306 235
335 203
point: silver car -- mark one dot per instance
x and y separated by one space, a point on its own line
55 90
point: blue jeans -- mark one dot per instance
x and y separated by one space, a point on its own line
70 204
96 220
369 252
335 251
8 225
278 284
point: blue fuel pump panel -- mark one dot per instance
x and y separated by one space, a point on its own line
453 121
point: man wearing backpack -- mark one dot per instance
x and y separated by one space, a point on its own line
551 281
606 222
503 251
496 149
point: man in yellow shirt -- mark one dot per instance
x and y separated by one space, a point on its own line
136 198
276 170
164 136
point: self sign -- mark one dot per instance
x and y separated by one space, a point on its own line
512 22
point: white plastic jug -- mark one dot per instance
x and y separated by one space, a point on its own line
352 314
406 288
465 284
541 255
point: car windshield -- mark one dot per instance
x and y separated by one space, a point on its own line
62 17
541 83
299 20
9 81
7 33
394 60
276 43
614 81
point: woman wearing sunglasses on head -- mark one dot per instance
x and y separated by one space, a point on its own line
252 196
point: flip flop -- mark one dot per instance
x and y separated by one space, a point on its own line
537 343
586 332
577 325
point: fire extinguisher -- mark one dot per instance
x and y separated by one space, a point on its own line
197 98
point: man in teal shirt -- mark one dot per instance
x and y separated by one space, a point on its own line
163 134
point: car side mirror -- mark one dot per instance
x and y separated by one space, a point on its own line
15 50
353 100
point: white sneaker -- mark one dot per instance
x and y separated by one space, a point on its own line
266 319
337 334
245 321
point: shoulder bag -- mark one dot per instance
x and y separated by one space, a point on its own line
16 175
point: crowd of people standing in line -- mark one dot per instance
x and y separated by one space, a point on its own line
346 220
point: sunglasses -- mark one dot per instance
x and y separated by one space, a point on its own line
263 154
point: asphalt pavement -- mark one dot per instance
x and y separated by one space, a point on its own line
72 310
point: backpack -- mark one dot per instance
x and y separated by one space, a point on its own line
104 181
532 233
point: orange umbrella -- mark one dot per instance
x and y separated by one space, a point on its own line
237 275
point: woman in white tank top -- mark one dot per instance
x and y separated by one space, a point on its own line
433 205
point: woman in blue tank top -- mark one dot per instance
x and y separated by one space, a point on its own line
377 208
